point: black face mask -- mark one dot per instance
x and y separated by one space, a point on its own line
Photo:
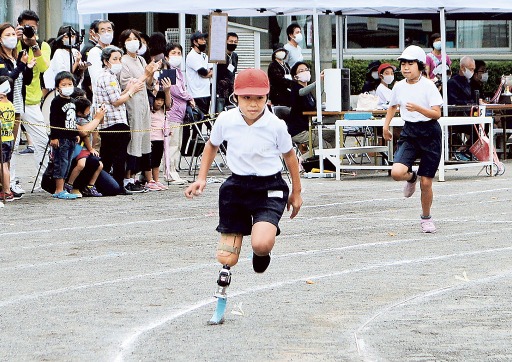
231 47
201 47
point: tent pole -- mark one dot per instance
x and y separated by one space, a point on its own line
442 20
316 42
182 37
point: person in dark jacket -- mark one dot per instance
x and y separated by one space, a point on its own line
280 78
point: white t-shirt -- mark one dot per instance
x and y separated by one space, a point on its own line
423 93
384 94
59 63
96 67
294 54
197 86
255 149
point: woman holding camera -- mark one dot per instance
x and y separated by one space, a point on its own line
64 57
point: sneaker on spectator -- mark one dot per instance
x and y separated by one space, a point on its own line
427 225
15 187
68 187
27 150
91 191
161 185
152 186
135 188
15 195
7 196
76 192
460 156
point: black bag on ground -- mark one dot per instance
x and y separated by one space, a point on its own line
314 162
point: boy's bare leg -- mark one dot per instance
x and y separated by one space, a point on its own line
263 238
96 174
400 172
76 171
6 177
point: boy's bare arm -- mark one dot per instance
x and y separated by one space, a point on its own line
389 116
295 199
209 153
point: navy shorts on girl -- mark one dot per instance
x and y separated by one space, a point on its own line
420 140
7 147
246 200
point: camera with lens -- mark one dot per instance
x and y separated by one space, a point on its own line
28 31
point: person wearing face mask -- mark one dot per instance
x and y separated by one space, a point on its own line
387 76
372 77
144 50
480 77
91 43
63 132
6 138
280 77
294 33
138 110
302 100
199 72
226 73
459 88
434 57
104 30
64 57
108 91
175 115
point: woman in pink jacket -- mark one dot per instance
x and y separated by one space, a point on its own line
176 114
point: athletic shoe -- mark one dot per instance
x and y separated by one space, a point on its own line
91 191
135 188
7 196
16 195
427 226
152 186
260 263
178 182
409 188
161 185
76 192
460 156
68 187
15 187
26 151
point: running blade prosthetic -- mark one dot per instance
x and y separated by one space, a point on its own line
223 282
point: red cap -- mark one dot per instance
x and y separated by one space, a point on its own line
252 82
385 66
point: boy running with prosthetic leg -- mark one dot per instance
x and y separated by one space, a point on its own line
252 200
420 108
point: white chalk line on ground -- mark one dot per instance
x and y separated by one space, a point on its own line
360 343
129 341
48 293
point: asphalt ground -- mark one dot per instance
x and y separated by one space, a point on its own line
352 277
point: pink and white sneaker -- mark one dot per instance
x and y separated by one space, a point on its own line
161 185
427 226
152 186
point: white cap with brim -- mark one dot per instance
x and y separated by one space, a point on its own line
413 52
5 87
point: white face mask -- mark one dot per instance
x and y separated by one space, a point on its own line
106 38
132 45
280 55
298 38
142 50
375 75
437 45
388 79
67 91
5 87
66 41
175 60
10 42
116 68
485 77
468 73
304 76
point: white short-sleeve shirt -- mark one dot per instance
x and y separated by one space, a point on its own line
255 149
423 93
384 94
197 86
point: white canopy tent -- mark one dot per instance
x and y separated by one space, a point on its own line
308 7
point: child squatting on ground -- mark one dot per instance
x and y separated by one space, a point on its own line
252 200
7 117
420 107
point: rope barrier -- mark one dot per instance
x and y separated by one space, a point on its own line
121 131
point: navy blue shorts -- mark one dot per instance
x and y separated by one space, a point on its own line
420 140
7 147
246 200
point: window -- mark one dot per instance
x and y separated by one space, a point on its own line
371 32
475 34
